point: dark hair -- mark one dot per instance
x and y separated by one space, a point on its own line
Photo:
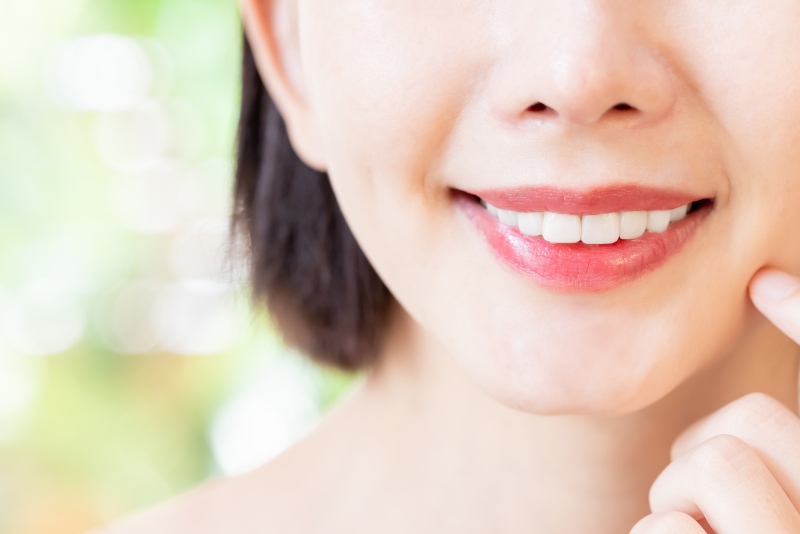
304 262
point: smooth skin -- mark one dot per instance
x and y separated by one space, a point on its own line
500 406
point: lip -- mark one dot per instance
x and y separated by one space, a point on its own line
607 199
579 267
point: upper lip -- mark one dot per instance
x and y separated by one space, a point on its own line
605 199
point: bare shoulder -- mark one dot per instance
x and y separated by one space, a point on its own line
284 495
196 510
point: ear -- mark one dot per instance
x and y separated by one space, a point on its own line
272 31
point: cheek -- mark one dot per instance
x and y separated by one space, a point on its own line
388 81
749 79
381 69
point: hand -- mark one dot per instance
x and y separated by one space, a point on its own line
737 471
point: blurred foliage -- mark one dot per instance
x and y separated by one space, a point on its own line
130 365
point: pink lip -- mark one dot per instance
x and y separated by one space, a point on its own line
579 267
586 202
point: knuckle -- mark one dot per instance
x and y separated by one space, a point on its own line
759 410
720 461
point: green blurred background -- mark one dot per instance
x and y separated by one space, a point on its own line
131 367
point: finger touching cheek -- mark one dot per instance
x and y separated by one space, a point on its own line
776 294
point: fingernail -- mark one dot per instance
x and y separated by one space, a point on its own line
776 285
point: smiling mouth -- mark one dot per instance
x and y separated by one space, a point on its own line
584 241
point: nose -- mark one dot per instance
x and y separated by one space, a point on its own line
588 61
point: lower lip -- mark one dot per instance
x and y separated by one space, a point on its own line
580 267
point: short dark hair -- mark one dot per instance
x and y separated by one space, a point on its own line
304 262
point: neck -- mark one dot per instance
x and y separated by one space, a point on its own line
482 460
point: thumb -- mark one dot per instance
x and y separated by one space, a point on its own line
776 294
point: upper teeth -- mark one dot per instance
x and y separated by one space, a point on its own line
601 229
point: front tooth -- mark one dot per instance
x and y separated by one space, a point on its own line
658 221
602 229
531 223
678 213
632 224
508 217
491 209
561 228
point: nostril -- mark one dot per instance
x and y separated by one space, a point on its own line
542 109
538 107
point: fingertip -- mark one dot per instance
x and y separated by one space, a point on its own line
773 285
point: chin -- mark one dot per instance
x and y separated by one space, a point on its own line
574 374
576 393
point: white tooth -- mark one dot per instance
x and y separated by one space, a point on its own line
601 229
632 224
508 217
657 221
561 228
531 223
491 209
678 213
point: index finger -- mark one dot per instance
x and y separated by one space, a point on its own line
776 294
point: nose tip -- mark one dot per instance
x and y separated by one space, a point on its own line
582 71
615 83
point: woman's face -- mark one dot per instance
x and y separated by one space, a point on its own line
423 107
